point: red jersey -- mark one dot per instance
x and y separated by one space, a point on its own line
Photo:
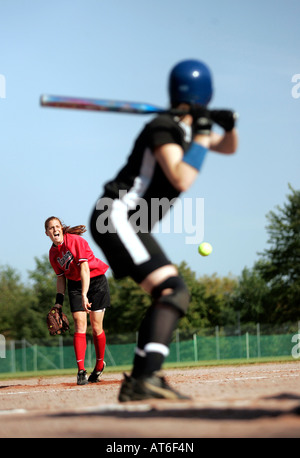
67 257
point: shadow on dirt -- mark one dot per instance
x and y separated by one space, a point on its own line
137 410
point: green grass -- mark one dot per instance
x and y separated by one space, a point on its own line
176 365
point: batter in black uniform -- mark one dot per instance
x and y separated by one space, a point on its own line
165 161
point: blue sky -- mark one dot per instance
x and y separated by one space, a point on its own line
56 161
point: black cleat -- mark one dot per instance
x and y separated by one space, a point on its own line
126 390
96 375
147 387
82 378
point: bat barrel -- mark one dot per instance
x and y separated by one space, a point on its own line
118 106
98 105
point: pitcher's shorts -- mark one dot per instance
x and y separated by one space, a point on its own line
98 294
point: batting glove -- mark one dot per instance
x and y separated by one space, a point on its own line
224 118
202 122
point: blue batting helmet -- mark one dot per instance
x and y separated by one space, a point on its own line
190 82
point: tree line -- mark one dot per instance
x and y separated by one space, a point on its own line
268 292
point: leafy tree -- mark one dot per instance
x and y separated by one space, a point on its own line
218 292
210 300
250 297
128 305
16 303
280 263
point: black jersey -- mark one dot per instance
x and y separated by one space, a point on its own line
142 176
123 218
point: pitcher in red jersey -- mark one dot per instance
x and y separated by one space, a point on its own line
76 267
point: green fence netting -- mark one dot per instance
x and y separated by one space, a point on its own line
24 356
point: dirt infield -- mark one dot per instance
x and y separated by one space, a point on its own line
246 401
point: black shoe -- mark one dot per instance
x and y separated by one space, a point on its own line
82 378
126 390
147 387
96 375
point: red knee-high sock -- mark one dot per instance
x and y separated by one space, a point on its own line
99 342
80 349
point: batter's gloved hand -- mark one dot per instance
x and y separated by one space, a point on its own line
202 122
224 118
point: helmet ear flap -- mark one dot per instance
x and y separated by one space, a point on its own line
190 82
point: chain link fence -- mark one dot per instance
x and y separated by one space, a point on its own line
246 342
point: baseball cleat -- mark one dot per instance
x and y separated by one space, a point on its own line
147 387
96 375
126 390
82 377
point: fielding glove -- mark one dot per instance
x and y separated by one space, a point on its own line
57 321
